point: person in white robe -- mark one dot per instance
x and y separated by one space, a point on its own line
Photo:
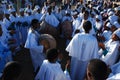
110 49
50 68
81 51
107 32
5 53
86 18
32 43
51 19
98 23
76 22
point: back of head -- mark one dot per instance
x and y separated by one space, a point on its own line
97 70
11 71
52 55
34 22
87 26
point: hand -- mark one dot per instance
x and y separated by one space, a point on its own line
101 45
67 64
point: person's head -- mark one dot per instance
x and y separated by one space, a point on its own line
87 26
1 32
12 71
49 10
97 70
116 35
1 14
35 24
86 14
52 55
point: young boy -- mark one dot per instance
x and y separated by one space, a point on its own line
51 69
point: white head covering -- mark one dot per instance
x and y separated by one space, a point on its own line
110 13
116 24
21 10
117 32
109 10
99 17
117 8
108 25
73 13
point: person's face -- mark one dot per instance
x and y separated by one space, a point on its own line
1 31
85 16
115 37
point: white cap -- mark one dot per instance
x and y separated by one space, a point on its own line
117 32
116 24
21 10
117 8
108 25
73 13
110 13
37 7
98 17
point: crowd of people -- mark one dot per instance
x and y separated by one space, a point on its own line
91 29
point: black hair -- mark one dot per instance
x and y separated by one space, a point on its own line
98 69
87 26
33 22
11 71
52 54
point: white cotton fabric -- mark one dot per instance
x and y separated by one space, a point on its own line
83 47
50 71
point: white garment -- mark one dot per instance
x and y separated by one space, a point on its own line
50 71
115 74
52 20
92 31
112 55
82 48
107 35
75 24
36 50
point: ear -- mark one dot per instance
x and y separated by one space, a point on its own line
89 76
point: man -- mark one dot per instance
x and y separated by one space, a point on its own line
97 70
82 48
5 54
32 43
51 69
110 50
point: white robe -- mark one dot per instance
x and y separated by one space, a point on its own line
52 20
112 55
115 74
92 31
82 48
50 71
76 23
36 50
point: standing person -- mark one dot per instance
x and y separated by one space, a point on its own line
5 54
82 48
51 69
32 43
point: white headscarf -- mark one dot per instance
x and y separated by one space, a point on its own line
116 24
117 32
108 25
